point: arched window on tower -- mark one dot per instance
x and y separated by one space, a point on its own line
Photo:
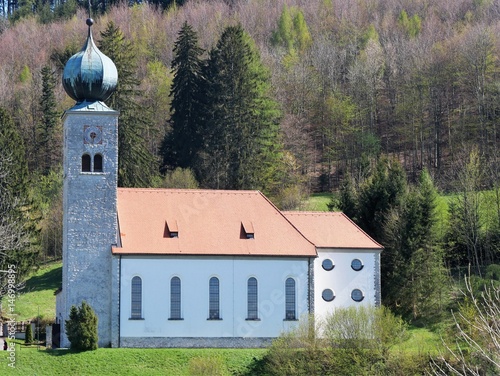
85 163
98 163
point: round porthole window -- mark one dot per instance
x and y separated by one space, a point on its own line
328 295
327 264
357 265
357 295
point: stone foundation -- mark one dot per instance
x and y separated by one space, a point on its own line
195 342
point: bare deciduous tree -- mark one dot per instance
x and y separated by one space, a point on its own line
477 347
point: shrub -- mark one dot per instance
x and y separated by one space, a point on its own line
81 328
476 347
213 366
29 334
350 341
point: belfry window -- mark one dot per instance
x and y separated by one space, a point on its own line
98 163
88 166
85 163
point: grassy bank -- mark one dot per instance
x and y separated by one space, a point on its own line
172 362
37 297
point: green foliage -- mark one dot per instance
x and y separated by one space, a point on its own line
66 9
182 145
350 341
241 128
49 121
25 75
214 366
292 33
28 339
18 234
136 164
180 178
383 191
81 328
466 220
412 26
403 220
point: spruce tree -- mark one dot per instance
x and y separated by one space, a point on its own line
241 147
47 146
383 191
18 235
81 328
136 164
28 339
181 146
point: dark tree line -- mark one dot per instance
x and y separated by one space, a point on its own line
225 124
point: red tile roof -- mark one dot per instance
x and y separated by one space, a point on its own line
331 230
207 222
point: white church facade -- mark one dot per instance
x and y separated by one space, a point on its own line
190 268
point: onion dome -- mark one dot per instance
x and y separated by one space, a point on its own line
89 75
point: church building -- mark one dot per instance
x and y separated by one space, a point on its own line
190 268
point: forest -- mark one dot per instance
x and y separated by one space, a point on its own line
391 106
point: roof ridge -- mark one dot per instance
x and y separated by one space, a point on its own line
189 190
311 212
286 219
362 231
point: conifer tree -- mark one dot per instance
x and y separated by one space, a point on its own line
384 190
28 339
181 146
81 328
18 236
242 145
48 122
136 164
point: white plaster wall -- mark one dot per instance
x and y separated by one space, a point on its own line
195 272
343 279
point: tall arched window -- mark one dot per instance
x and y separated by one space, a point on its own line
98 163
290 299
252 299
175 298
213 307
85 163
136 301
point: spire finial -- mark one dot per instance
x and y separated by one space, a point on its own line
89 21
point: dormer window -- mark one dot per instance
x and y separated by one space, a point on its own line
247 231
171 230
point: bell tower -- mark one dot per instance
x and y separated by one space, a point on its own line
90 188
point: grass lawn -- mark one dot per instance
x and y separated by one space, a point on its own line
39 293
172 362
420 341
317 202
